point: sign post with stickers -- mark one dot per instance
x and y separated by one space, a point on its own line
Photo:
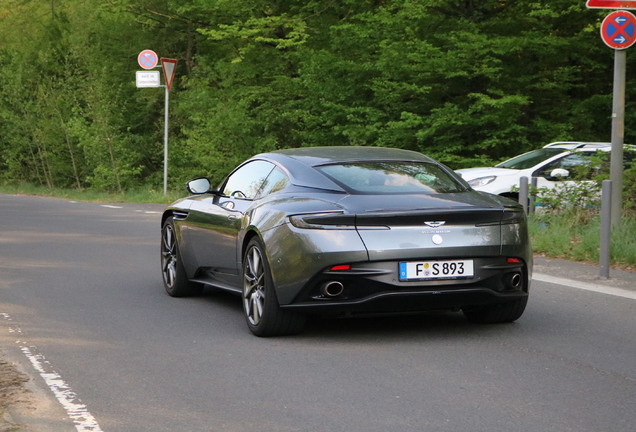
148 59
168 66
618 31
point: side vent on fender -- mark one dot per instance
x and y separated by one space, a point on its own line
179 215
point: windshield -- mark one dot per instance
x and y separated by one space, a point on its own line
392 178
530 159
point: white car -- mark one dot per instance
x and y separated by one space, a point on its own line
551 165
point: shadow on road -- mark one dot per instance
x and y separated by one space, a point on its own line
426 325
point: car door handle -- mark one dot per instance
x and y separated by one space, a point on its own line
232 217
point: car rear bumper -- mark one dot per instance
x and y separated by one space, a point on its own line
410 301
376 288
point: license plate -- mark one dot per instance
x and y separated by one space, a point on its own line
456 269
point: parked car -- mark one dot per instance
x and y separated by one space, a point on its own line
350 230
551 165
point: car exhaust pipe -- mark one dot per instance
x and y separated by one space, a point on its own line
332 288
512 280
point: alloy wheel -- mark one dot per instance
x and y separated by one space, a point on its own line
254 286
169 256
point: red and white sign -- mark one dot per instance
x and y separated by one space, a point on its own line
611 4
169 66
148 59
618 29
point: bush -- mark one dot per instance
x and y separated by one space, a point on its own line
574 234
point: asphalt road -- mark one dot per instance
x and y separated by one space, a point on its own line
82 298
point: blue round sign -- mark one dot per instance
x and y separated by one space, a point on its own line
148 59
618 29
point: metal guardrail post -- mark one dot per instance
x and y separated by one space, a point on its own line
533 198
606 230
523 193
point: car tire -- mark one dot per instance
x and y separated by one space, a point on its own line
497 313
263 313
174 276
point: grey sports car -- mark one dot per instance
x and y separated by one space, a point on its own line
333 230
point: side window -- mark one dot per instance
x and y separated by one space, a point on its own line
275 182
578 164
247 180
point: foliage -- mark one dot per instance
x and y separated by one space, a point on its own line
629 188
580 194
469 83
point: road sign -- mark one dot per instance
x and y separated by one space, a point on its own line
168 65
148 79
618 29
148 59
611 4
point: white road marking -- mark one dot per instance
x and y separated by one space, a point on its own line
82 419
137 211
619 292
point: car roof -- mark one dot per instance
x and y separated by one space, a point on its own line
575 145
572 145
315 156
297 161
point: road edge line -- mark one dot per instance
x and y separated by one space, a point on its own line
618 292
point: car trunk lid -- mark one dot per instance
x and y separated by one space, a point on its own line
429 227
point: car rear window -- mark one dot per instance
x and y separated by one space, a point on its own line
530 159
392 178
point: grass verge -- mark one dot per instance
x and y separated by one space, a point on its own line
137 195
574 235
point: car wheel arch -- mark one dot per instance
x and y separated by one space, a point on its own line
177 214
165 216
249 235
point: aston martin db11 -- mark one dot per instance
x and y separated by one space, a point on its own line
347 230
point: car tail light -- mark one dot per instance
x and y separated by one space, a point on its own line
513 261
513 216
335 220
340 267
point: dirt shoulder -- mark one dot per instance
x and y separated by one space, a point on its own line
13 393
26 403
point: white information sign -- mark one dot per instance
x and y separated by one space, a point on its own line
148 79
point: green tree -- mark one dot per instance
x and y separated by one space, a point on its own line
467 82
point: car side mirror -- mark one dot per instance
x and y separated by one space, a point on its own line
198 186
559 173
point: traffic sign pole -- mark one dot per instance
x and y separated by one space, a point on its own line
148 59
165 145
168 66
618 134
